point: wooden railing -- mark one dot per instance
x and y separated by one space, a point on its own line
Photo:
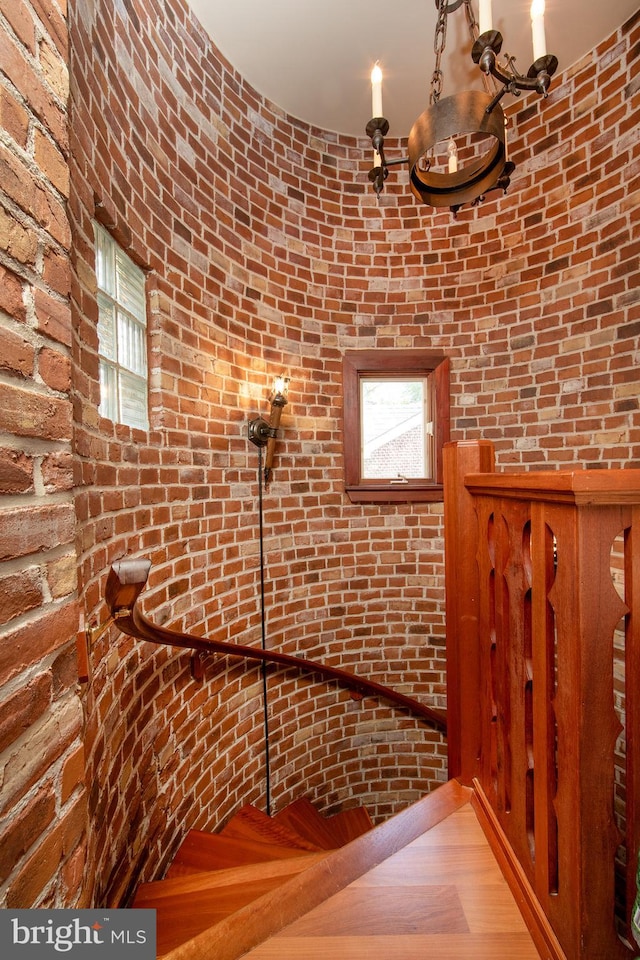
125 583
544 680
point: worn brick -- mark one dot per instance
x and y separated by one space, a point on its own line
20 243
73 774
56 272
42 744
52 163
21 20
24 830
53 317
62 576
52 16
29 643
33 196
52 850
14 119
16 472
16 353
57 472
20 69
55 71
34 529
19 593
21 711
11 300
28 413
55 369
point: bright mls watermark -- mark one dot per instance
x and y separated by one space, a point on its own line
78 934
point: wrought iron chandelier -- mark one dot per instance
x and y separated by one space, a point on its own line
466 120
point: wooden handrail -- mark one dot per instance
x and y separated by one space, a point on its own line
125 583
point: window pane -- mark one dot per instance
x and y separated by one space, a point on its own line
133 400
105 261
108 391
131 345
106 328
393 428
130 286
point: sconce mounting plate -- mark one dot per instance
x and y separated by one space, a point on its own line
260 431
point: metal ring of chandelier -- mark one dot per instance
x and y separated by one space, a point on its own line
463 114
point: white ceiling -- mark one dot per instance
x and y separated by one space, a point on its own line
313 59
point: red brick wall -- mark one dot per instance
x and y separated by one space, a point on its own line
240 287
266 251
42 800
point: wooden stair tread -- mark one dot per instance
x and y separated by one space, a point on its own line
249 823
349 824
184 913
148 894
212 851
302 817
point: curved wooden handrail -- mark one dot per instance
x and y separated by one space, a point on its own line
125 583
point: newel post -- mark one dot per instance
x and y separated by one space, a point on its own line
464 680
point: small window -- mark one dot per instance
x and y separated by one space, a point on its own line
396 420
122 334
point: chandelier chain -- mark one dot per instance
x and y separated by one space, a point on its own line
439 43
471 20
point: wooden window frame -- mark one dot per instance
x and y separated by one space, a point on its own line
392 363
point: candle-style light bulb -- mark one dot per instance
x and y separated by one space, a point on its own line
280 387
376 91
537 29
453 156
486 17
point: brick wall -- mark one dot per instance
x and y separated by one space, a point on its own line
265 250
42 800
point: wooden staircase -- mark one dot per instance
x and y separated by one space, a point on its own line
300 885
213 875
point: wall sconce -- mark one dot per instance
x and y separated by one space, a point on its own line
264 432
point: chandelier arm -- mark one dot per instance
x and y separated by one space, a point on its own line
485 53
488 81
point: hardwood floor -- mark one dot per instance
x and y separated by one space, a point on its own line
442 897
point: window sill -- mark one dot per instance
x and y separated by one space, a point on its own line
398 493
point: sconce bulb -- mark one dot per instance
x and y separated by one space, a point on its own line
280 390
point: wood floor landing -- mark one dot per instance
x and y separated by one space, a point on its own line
443 897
